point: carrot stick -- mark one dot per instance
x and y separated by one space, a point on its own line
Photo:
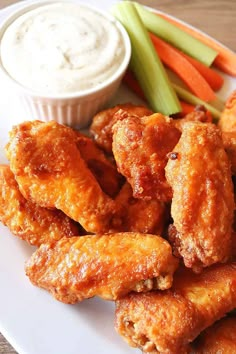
211 76
186 108
226 58
183 68
130 80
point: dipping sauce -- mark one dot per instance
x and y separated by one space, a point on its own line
62 48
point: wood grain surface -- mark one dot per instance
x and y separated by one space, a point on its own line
215 17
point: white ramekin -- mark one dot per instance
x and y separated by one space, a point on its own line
74 109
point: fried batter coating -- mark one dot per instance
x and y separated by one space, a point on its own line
217 339
203 200
50 171
227 124
108 266
101 127
227 121
103 169
198 115
166 322
229 141
140 147
145 216
28 221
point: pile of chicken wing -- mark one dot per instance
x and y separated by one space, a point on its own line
141 212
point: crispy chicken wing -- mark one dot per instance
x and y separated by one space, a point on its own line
203 202
51 172
103 169
166 322
227 122
217 339
140 147
101 127
229 141
108 266
145 216
28 221
198 115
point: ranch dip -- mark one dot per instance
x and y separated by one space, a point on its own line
62 48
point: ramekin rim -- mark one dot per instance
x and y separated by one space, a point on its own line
27 6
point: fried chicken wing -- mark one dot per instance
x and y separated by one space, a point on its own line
227 121
166 322
108 266
203 202
145 216
28 221
229 141
50 171
227 124
217 339
101 127
140 147
198 115
103 169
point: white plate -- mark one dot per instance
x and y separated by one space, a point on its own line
31 320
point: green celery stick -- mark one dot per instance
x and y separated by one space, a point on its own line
176 36
192 99
145 63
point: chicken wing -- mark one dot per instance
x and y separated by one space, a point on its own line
227 122
198 115
28 221
108 266
166 322
103 169
140 147
145 216
202 208
229 141
217 339
50 171
101 127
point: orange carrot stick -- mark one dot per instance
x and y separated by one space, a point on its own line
183 68
214 79
225 60
130 80
186 108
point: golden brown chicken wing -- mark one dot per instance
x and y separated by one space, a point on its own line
51 172
166 322
140 147
101 127
108 266
28 221
198 115
229 141
145 216
217 339
103 169
227 122
203 202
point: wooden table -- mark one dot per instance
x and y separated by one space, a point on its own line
215 17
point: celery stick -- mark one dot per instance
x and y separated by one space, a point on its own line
190 98
145 63
177 37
